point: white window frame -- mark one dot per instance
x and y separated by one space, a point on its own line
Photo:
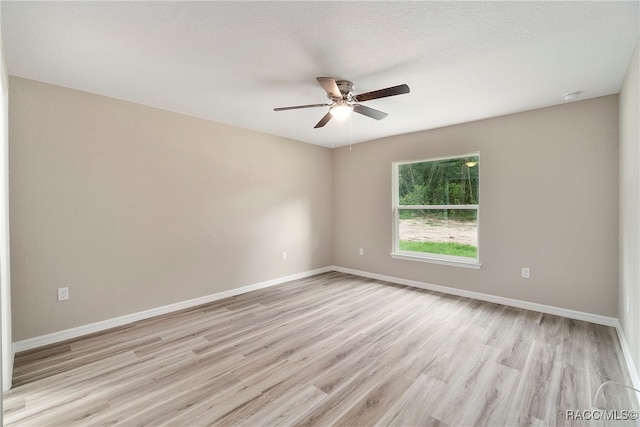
450 260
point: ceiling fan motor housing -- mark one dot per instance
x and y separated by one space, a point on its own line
346 89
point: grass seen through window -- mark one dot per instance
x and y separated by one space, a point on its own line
456 249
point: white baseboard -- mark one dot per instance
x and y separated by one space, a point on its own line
626 351
564 312
79 331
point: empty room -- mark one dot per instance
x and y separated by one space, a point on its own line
264 213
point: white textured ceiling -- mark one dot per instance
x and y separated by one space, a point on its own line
233 62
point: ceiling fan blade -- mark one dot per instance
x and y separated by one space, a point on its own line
323 121
296 107
382 93
369 112
330 86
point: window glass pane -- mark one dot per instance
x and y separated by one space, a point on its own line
439 182
439 231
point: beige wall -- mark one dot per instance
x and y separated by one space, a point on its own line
548 201
133 208
629 288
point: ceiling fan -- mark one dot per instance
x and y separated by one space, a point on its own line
343 101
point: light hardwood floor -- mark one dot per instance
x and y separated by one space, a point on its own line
333 349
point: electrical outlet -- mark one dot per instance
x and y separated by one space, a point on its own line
526 274
284 255
63 294
361 251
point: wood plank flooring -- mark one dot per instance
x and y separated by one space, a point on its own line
332 349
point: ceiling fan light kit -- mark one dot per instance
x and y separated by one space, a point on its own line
343 101
341 110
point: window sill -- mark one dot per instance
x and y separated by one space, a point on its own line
454 262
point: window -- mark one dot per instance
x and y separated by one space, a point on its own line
436 210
